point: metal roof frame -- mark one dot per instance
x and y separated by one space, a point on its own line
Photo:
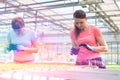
38 13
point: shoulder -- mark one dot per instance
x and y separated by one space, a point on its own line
30 31
94 28
72 33
32 34
11 32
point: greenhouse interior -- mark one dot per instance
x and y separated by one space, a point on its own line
52 21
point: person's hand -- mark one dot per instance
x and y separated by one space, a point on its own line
91 48
12 47
74 51
21 47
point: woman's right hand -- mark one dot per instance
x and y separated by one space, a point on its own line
21 47
28 49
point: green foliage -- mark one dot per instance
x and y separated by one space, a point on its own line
113 66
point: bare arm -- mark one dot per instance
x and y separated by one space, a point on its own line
74 45
102 44
30 49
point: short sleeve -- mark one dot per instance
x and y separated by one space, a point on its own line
97 31
72 34
33 35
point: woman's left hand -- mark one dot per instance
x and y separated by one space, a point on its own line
101 49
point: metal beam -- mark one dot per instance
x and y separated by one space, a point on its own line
106 18
45 7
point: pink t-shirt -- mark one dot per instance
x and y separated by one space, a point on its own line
87 37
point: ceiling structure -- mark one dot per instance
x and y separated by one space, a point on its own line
56 15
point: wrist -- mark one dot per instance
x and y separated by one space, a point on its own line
93 48
75 47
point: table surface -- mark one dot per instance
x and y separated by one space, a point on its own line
59 70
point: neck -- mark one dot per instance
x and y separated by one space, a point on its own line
83 29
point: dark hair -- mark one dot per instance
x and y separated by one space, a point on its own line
17 23
78 14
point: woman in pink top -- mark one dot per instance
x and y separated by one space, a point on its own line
87 41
